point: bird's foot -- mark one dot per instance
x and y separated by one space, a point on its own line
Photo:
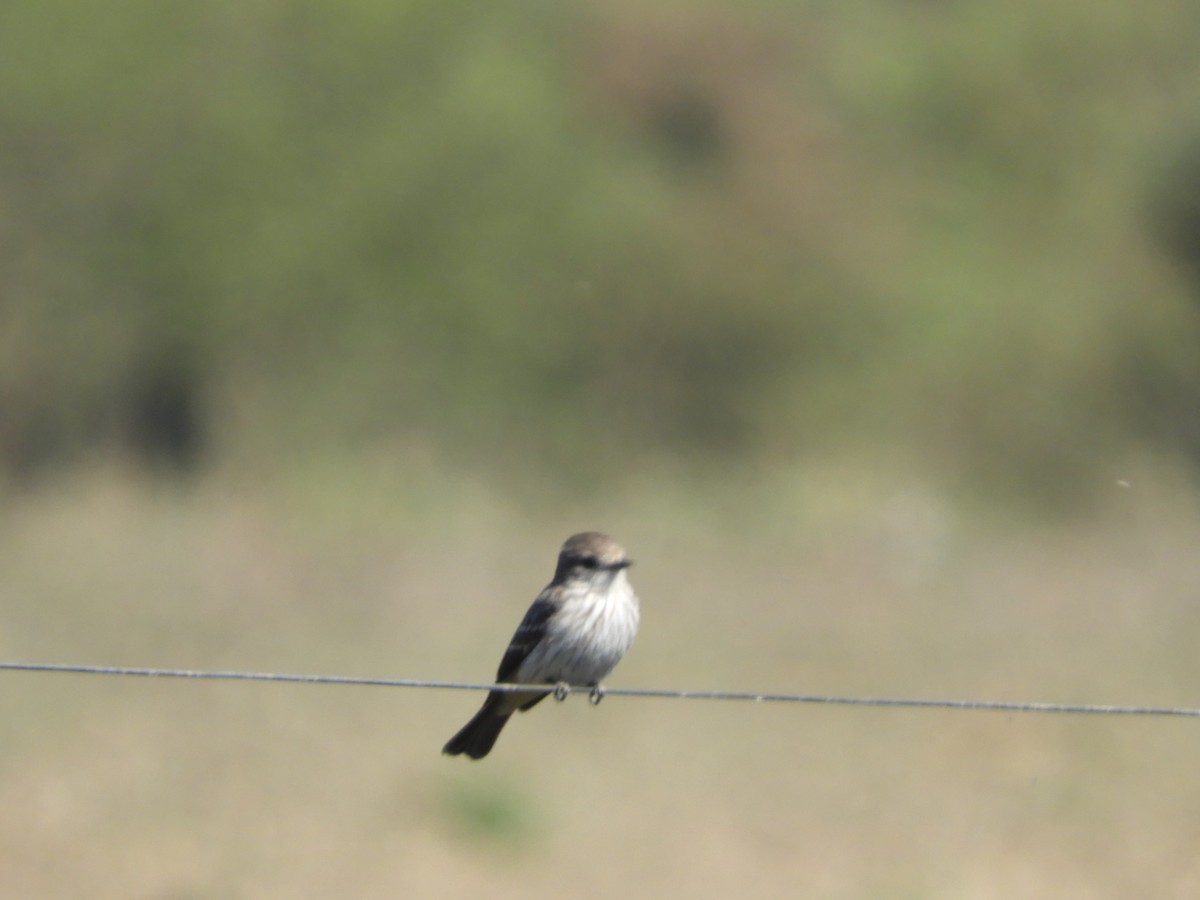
562 691
596 694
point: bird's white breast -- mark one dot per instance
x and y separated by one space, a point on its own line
587 635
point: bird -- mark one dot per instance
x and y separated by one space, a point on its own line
574 633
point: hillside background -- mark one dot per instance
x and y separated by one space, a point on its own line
872 329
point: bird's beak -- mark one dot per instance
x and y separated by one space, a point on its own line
623 564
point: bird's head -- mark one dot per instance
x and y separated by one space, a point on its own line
590 555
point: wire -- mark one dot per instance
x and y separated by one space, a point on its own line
562 691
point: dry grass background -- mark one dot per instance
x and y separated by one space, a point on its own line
144 789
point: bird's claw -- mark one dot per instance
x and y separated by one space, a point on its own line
596 694
562 691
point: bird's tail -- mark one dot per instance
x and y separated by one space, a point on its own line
477 737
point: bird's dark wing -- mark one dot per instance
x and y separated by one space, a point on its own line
531 630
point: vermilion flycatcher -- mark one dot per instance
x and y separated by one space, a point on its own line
575 632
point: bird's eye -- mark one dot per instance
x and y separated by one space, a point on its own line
589 561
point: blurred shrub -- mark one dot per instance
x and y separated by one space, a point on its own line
536 237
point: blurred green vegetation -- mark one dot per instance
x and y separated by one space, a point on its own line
541 238
489 812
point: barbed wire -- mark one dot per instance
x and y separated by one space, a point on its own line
561 691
